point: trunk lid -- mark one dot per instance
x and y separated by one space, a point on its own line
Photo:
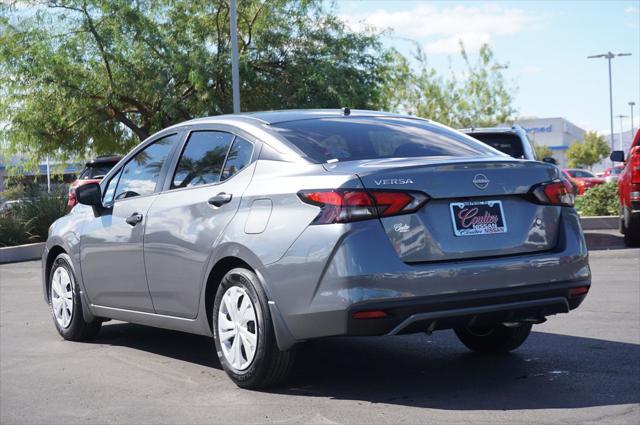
493 186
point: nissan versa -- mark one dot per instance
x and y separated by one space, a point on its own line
268 229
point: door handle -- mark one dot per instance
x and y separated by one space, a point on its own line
220 199
134 219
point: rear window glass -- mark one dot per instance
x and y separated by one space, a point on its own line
504 142
96 171
355 138
580 173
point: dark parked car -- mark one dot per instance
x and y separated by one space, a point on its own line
93 172
265 230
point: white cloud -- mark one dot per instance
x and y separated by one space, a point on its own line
633 20
444 26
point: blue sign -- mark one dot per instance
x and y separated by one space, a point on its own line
547 129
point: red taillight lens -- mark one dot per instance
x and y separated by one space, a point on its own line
372 314
72 198
634 164
557 192
346 205
580 290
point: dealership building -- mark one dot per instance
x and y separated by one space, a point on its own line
556 133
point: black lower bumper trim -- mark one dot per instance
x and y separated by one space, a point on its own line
478 308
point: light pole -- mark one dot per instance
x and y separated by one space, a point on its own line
621 117
235 72
632 104
609 56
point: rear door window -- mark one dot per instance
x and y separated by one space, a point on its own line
356 138
202 159
238 158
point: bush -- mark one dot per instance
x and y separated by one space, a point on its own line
29 221
40 212
599 200
14 230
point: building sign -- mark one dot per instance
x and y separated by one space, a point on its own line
547 129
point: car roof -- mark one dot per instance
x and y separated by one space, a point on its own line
104 159
513 130
275 117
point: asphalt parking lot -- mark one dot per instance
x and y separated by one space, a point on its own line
578 368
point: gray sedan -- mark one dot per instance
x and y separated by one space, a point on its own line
265 230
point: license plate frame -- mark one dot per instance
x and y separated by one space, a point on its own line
488 218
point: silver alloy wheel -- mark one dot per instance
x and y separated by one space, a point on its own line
237 328
62 297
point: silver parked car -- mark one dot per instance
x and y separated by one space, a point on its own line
265 230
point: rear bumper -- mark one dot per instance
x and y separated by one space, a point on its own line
445 312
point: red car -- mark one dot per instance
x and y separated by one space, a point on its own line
585 179
93 172
629 192
612 174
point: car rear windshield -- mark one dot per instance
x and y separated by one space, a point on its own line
508 143
355 138
580 174
96 170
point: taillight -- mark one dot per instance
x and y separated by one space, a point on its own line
634 164
556 192
72 197
346 205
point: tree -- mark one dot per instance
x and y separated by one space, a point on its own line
98 76
542 151
593 150
480 97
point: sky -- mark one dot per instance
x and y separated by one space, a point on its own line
545 43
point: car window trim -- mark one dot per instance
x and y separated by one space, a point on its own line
188 132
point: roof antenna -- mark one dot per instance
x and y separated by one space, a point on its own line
346 111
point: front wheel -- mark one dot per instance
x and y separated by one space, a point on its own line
243 333
66 303
496 339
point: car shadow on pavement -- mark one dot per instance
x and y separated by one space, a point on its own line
177 345
549 371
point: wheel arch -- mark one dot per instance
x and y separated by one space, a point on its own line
232 256
53 253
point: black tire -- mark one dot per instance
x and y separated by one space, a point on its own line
269 366
494 340
632 232
78 328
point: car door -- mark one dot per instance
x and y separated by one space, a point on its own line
112 258
184 222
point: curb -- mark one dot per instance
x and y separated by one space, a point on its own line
600 222
13 254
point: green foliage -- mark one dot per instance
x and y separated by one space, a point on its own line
87 77
591 151
542 151
29 221
480 98
599 200
14 230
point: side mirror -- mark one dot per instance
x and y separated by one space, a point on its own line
550 160
89 194
617 156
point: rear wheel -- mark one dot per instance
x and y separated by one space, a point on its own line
66 303
632 231
496 339
243 333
